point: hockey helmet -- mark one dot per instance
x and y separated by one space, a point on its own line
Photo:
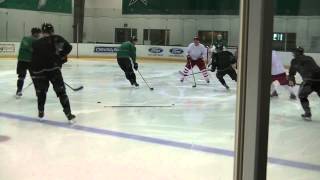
35 30
47 28
298 51
133 39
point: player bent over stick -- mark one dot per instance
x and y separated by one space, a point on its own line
279 74
127 51
49 53
223 61
195 55
310 73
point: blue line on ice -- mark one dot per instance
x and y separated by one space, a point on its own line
182 145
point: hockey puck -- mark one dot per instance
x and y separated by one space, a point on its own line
98 102
151 89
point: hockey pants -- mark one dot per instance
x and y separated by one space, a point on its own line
42 82
306 88
126 66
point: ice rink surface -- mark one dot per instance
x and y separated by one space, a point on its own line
175 132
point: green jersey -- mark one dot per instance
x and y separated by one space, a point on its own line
219 43
25 51
127 50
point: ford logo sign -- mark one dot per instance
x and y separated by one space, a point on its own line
176 51
156 50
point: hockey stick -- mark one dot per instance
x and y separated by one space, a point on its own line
27 86
180 72
151 88
74 89
194 79
139 106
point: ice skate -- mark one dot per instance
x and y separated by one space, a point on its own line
226 86
306 116
293 97
18 95
182 80
41 115
274 94
135 84
71 118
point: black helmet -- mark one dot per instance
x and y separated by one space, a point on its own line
133 39
298 51
47 28
35 30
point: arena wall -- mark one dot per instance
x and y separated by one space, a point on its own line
108 51
102 17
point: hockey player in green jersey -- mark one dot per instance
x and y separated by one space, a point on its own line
24 58
126 53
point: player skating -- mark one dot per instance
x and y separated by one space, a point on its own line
279 74
24 58
49 53
223 62
196 53
310 73
126 57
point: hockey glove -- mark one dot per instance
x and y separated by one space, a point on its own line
292 83
61 61
64 59
213 69
135 66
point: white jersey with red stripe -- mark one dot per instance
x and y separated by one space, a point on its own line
277 65
196 52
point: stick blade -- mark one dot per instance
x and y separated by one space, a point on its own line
79 88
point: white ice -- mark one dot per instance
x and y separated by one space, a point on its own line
204 115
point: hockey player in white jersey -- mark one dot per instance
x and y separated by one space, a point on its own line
279 74
196 53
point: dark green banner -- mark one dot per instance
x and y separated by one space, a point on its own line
61 6
227 7
215 7
297 7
